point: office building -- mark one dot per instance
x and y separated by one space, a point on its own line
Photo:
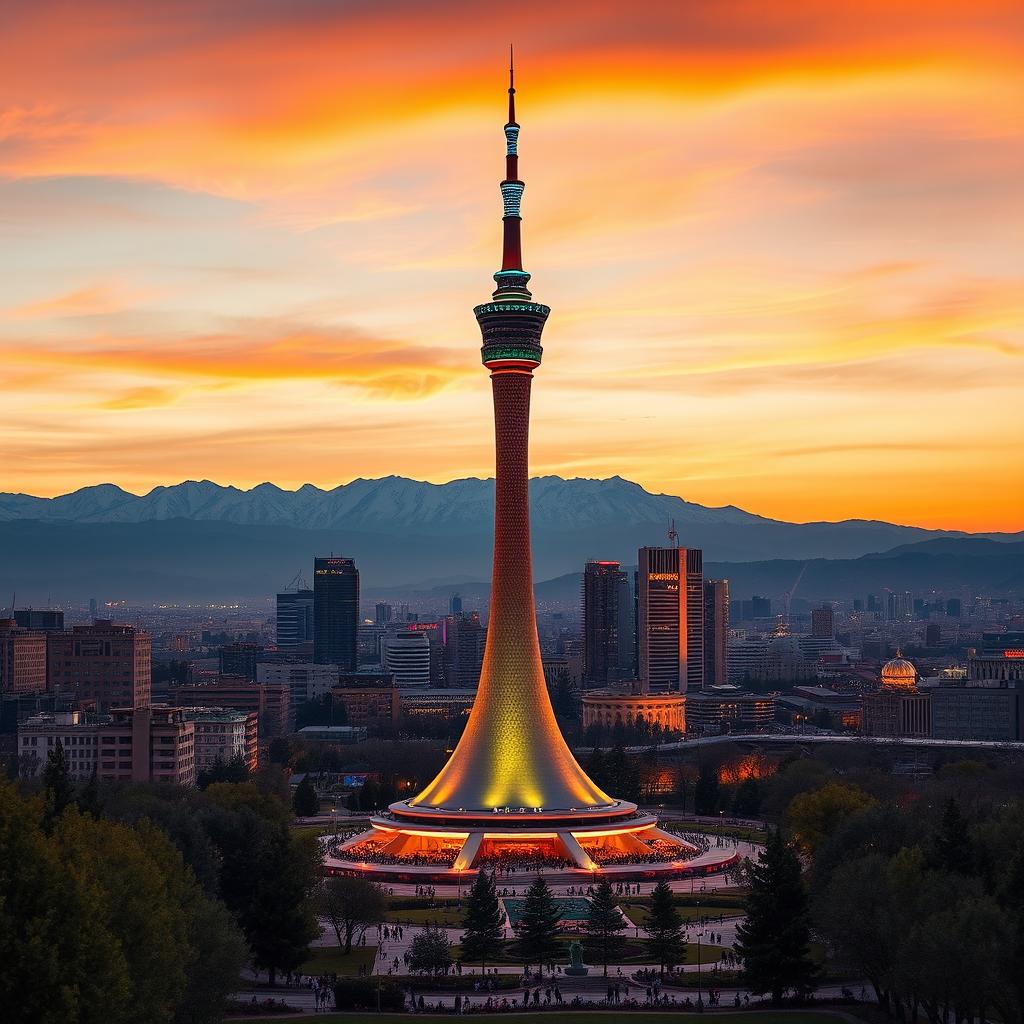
240 659
222 735
406 656
22 659
341 734
823 623
383 613
716 633
463 655
146 744
978 713
670 619
335 612
270 701
723 709
295 622
103 665
41 620
369 699
39 735
607 624
305 680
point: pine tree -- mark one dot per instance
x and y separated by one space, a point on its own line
705 791
605 923
536 933
305 803
57 780
88 798
665 928
481 940
952 846
773 940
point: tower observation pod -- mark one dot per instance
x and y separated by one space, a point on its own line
512 792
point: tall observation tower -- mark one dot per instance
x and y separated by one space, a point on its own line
512 786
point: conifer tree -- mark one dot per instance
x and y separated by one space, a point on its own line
481 940
665 928
605 923
305 802
57 780
536 933
773 941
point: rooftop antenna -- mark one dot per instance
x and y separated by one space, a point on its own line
298 582
673 535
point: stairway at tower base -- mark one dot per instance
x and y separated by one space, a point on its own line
631 850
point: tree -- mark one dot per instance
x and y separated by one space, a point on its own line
813 817
220 953
747 801
705 790
774 939
88 798
536 932
430 952
951 847
665 928
279 751
481 940
350 904
605 923
305 802
57 781
235 770
59 958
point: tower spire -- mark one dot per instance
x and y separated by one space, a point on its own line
511 85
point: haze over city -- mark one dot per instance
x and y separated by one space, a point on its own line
782 242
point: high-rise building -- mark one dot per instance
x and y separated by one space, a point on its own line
295 622
464 639
407 657
271 701
823 623
103 664
22 659
305 680
716 632
146 744
240 659
335 612
607 624
455 604
223 735
670 619
953 607
383 613
43 620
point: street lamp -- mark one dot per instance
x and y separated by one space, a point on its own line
700 932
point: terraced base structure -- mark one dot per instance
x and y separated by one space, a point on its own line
512 795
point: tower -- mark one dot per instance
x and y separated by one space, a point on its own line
512 753
295 620
335 612
512 789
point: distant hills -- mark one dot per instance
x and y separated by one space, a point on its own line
203 541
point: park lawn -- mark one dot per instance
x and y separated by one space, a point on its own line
332 960
639 912
580 1017
633 952
742 832
444 917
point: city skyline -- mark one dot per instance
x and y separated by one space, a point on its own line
780 246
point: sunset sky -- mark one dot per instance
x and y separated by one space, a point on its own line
783 244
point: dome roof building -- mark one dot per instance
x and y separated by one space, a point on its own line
899 674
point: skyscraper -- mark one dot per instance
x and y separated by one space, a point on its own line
464 640
295 621
716 632
335 612
607 624
407 657
823 623
670 619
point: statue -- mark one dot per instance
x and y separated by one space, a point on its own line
576 968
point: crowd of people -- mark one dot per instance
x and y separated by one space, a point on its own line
374 852
513 859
